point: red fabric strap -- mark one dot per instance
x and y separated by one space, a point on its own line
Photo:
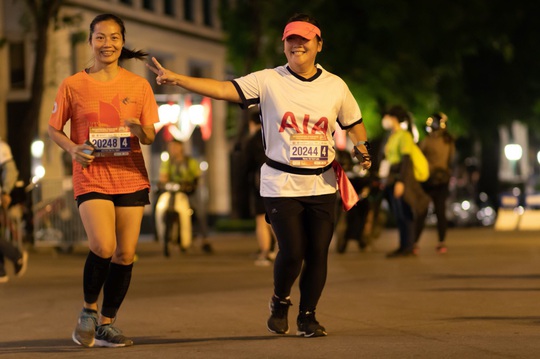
349 197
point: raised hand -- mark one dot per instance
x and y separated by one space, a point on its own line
164 76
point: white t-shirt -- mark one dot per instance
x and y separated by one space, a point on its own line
299 117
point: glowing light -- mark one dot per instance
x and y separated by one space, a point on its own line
164 156
169 113
196 114
37 148
40 171
203 166
513 152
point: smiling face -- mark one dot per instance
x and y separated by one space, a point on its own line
301 53
107 42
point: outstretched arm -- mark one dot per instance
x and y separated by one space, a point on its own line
219 90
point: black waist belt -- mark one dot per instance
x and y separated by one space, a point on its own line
295 170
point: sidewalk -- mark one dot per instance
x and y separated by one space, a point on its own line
480 300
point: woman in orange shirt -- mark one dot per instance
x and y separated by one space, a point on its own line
111 111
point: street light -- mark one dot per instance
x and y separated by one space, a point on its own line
513 152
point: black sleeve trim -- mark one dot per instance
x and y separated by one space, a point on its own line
352 125
245 102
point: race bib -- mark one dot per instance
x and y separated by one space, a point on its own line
308 150
110 141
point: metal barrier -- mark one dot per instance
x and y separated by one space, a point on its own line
56 219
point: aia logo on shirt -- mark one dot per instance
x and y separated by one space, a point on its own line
289 121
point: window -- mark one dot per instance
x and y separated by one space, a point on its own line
207 12
168 7
148 5
17 73
188 10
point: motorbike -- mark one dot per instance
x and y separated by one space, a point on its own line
173 217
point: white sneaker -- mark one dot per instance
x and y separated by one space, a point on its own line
263 262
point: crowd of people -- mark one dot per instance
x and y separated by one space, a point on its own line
298 180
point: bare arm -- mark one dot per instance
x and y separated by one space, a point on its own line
146 134
75 150
219 90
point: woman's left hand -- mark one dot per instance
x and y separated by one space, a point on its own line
146 134
132 123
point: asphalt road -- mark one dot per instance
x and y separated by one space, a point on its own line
480 300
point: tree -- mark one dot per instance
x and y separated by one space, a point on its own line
42 14
476 60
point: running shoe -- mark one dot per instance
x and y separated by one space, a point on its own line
308 326
86 328
21 265
278 322
109 336
263 261
441 248
207 248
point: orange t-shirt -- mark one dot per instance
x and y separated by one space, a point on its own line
91 103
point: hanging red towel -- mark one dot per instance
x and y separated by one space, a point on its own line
349 197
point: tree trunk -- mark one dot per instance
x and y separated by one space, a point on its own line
43 14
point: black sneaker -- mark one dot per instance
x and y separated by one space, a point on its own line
21 265
308 326
109 336
207 248
278 322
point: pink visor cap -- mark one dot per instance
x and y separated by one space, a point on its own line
301 28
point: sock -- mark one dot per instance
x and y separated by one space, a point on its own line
95 272
115 288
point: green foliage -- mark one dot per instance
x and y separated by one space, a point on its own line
458 57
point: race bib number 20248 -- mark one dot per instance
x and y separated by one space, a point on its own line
111 141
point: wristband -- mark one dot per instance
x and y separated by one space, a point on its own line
365 143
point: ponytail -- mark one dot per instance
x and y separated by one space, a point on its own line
132 54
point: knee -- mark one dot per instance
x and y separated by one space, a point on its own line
102 250
291 258
124 257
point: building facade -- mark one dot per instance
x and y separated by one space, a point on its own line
185 35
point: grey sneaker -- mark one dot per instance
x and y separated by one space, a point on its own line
278 322
86 328
109 336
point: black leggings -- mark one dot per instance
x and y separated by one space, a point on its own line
439 195
303 228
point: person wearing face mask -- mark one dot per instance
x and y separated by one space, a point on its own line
112 112
407 199
300 104
439 148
